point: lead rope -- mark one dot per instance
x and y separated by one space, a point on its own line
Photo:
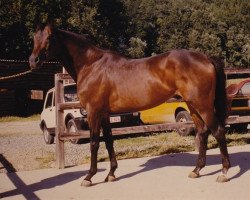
15 75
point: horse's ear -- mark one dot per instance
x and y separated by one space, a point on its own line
38 25
51 24
39 22
49 29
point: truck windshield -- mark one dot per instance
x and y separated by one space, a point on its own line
70 93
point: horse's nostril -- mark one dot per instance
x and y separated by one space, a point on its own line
37 60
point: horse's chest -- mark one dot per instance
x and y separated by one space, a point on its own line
91 91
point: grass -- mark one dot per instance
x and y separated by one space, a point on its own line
165 143
135 147
20 119
153 145
13 126
46 161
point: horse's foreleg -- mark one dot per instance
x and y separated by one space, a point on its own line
219 135
108 138
94 124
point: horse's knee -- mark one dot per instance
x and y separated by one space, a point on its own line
94 146
202 134
219 133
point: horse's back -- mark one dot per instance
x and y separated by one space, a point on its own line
135 84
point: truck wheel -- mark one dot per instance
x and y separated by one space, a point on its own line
184 116
239 127
48 137
72 128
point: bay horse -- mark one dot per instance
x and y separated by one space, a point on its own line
110 83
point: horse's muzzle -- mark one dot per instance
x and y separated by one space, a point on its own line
35 62
32 62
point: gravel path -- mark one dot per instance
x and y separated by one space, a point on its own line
22 148
22 145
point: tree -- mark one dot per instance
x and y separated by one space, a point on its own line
17 19
135 27
104 21
137 47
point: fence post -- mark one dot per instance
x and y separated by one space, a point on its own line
59 122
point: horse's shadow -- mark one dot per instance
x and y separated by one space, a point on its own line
241 159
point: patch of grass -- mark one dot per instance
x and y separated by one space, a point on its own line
165 143
238 139
46 160
20 119
153 145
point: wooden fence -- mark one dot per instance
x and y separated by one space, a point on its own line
62 135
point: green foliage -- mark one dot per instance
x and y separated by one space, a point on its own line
137 47
135 27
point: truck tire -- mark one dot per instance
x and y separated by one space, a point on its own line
47 136
184 116
73 128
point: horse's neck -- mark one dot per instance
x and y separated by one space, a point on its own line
76 55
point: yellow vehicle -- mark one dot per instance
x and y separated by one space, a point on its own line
173 110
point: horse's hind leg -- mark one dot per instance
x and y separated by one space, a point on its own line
201 137
108 138
210 123
219 134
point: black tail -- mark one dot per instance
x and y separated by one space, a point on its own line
220 103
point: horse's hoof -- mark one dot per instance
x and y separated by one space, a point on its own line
110 179
193 175
222 179
86 183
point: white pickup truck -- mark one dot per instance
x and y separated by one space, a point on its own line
75 119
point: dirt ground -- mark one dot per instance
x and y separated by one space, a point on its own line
21 150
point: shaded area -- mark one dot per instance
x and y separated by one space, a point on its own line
241 159
28 191
22 95
6 164
15 179
42 79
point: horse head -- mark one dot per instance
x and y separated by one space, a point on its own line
43 47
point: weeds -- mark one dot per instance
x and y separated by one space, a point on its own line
46 160
20 119
166 143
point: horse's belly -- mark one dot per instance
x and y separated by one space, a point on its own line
136 101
